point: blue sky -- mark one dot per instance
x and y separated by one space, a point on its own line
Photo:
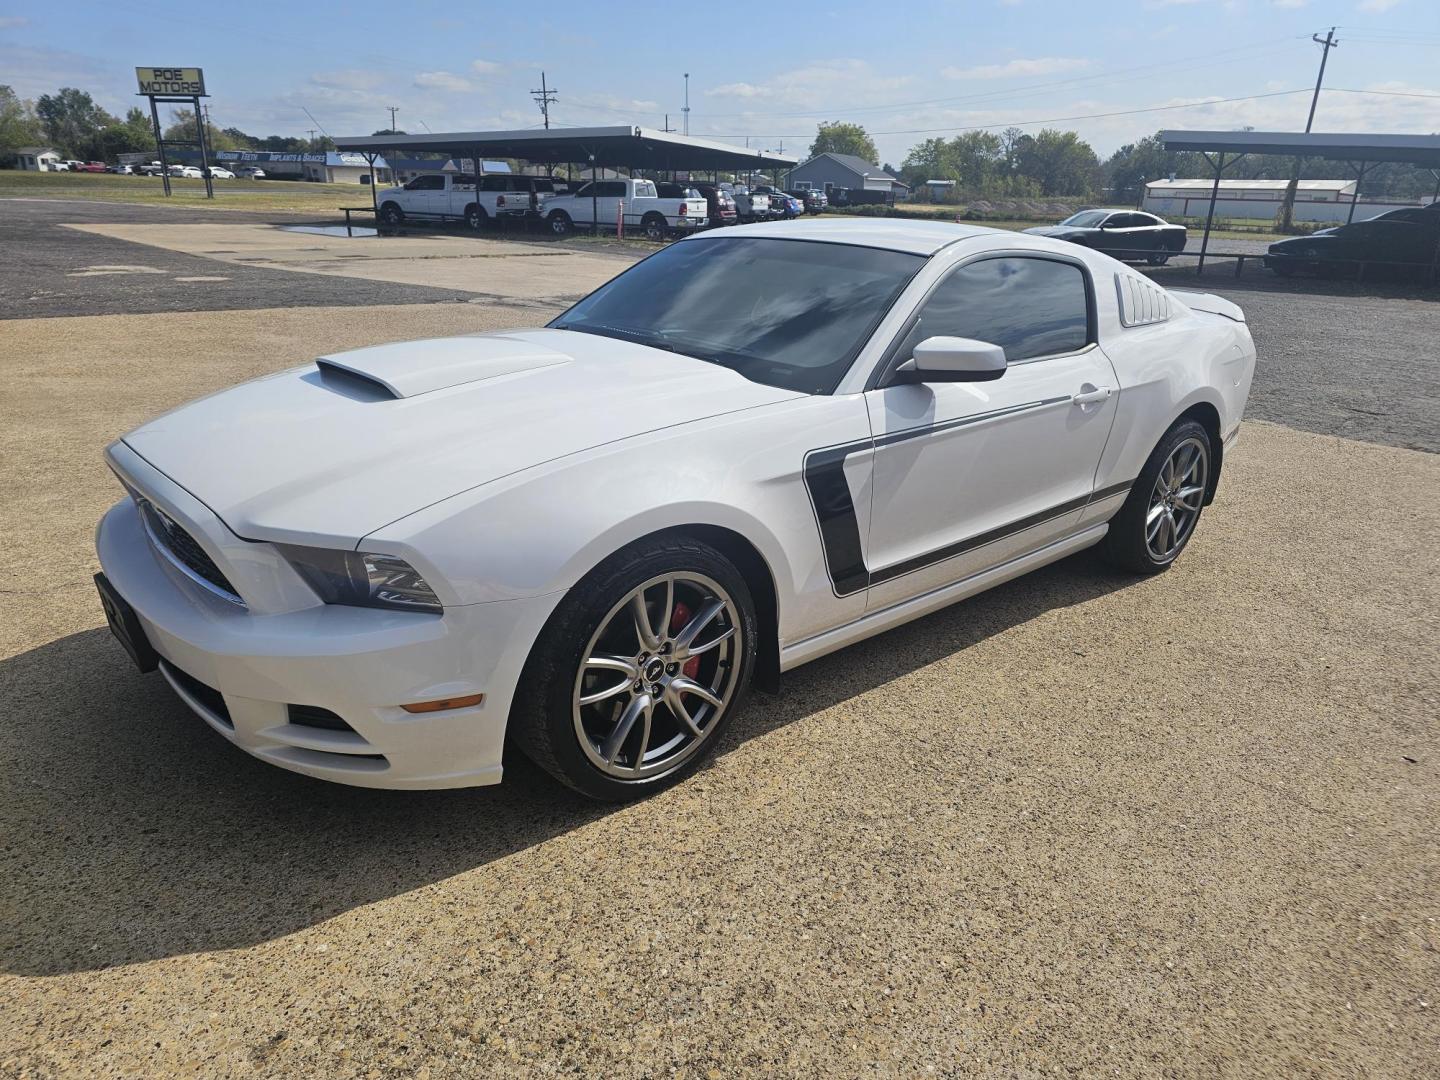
929 68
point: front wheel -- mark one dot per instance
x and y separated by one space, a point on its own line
391 214
560 224
638 671
475 217
1164 505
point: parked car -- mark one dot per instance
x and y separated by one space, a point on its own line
121 170
74 166
252 172
1402 240
219 172
453 196
749 206
188 172
813 198
640 202
780 204
585 541
720 203
1131 235
59 166
90 166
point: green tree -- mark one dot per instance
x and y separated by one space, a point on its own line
133 135
72 121
1134 164
19 126
1060 162
839 138
182 129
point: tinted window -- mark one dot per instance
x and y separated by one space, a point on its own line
610 189
782 312
495 183
1085 219
1029 307
426 183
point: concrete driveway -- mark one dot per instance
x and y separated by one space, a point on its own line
1080 825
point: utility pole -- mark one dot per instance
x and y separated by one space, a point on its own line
393 110
1287 210
544 97
667 123
311 133
686 110
209 133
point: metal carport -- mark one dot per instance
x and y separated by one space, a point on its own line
625 147
1361 152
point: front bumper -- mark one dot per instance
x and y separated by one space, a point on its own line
361 664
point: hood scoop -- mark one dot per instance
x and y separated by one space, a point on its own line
410 368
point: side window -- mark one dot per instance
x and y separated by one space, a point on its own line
583 189
1029 307
610 189
1120 221
426 183
495 183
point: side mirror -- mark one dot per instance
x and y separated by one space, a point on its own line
952 359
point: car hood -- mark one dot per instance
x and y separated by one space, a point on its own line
326 453
1304 243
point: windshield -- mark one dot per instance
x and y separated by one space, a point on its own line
1086 219
787 313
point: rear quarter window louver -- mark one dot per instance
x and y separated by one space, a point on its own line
1142 302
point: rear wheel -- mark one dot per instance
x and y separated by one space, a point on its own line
391 214
656 227
476 217
638 671
1164 505
560 223
1158 258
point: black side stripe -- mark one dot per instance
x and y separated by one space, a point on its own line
839 525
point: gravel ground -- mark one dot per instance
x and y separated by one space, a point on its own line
1082 824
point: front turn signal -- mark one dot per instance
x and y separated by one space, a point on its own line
445 703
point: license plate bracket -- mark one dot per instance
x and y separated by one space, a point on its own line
125 625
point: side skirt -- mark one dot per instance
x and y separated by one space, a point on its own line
877 622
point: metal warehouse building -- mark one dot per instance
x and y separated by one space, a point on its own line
1315 200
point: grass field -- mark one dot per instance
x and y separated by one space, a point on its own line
282 195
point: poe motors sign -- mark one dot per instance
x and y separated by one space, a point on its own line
171 81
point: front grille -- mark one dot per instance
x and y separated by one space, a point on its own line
168 534
208 696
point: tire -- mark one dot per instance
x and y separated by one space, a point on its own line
588 745
1158 258
655 226
476 217
1142 546
560 223
391 214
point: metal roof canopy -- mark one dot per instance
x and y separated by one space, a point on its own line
1421 150
1363 152
627 146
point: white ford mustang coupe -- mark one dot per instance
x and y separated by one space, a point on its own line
755 447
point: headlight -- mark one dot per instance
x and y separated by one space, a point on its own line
362 579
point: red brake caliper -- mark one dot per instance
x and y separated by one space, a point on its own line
677 623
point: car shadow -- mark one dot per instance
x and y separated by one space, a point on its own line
133 833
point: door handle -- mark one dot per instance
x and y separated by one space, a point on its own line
1093 396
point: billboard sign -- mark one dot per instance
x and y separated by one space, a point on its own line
171 81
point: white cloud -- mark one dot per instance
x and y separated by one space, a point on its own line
815 85
486 67
442 80
740 90
13 22
1044 65
347 79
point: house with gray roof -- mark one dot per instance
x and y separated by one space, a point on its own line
863 181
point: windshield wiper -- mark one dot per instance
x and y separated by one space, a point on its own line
623 333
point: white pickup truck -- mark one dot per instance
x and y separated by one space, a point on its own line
604 201
749 205
453 195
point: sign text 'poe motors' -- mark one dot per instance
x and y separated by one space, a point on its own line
165 81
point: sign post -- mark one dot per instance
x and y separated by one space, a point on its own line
176 85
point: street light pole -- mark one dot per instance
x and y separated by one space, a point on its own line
686 110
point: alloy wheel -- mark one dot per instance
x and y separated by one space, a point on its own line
1177 498
658 675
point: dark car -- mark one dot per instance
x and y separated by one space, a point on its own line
721 202
813 199
1123 234
1404 240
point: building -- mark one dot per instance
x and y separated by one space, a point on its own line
328 167
407 169
36 158
940 190
861 181
1315 200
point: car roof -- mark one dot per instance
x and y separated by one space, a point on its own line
915 237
